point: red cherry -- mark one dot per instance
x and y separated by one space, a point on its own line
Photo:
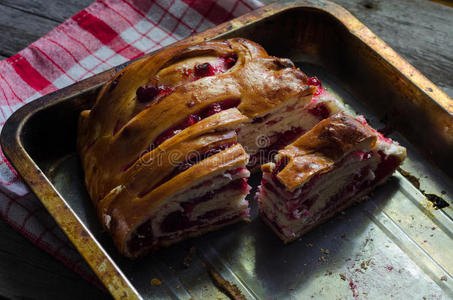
165 90
230 60
203 70
213 109
187 72
314 81
321 111
192 119
147 93
229 103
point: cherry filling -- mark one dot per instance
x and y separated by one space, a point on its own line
180 220
266 154
386 167
316 82
146 95
230 60
301 206
187 164
360 181
197 158
320 111
151 92
206 69
196 117
203 70
142 237
187 122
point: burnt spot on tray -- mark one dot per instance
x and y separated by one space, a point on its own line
370 5
414 180
437 201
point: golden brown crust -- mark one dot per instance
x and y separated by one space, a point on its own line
156 164
116 135
317 151
127 210
118 128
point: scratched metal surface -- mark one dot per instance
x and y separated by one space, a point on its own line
393 245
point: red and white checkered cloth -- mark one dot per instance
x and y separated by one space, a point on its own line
106 34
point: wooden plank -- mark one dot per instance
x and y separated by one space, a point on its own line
19 29
27 272
419 30
56 10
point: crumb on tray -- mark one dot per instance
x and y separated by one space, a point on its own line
156 282
231 290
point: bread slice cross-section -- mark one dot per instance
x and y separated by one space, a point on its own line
333 165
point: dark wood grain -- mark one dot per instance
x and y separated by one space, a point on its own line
420 30
18 29
52 10
27 272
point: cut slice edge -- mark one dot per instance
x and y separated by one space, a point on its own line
355 166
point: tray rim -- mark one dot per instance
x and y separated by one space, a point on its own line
90 249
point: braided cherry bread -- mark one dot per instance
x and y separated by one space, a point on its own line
165 147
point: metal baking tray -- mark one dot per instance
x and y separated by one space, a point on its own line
396 244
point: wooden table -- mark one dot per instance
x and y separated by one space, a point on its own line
420 30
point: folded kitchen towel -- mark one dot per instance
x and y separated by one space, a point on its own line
106 34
